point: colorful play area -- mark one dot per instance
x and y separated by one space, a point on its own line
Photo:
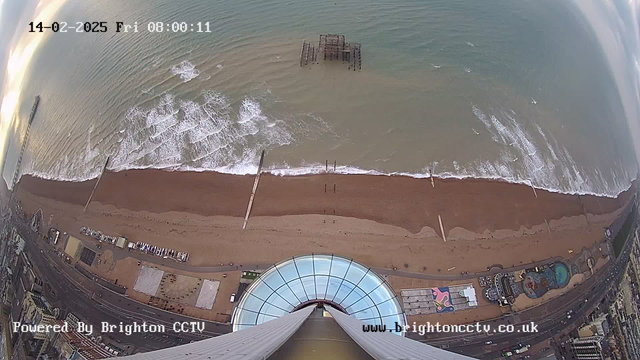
554 276
439 300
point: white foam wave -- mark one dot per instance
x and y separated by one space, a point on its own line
210 135
68 169
204 136
501 171
186 70
549 167
482 117
485 170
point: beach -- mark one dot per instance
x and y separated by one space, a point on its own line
381 221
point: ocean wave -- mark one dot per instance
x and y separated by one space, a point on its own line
211 135
207 134
550 167
186 70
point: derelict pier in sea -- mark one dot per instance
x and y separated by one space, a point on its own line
332 47
25 140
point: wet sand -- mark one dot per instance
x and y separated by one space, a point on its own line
380 221
409 203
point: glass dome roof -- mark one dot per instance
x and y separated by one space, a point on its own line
343 283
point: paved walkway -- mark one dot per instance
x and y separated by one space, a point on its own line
469 276
119 254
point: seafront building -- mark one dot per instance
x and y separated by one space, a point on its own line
36 312
589 348
599 326
77 346
613 330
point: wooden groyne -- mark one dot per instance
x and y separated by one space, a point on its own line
104 168
253 192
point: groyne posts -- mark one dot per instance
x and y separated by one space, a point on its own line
253 191
444 237
326 169
534 189
104 168
584 211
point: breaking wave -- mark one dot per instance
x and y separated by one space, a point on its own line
551 168
173 134
187 135
186 70
211 135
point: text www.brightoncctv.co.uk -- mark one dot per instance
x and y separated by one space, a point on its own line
429 327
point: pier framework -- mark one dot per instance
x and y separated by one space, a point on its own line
332 47
25 140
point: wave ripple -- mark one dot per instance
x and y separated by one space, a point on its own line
186 70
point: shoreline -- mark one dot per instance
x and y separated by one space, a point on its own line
319 169
411 203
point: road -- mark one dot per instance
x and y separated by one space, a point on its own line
74 293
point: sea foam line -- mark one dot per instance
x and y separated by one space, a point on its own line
318 169
229 141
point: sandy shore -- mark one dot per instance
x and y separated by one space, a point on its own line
474 205
381 221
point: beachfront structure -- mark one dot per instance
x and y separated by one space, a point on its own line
439 300
311 332
320 306
505 294
36 221
300 281
332 47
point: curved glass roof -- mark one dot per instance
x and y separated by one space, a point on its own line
354 288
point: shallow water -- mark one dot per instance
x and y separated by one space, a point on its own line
498 89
